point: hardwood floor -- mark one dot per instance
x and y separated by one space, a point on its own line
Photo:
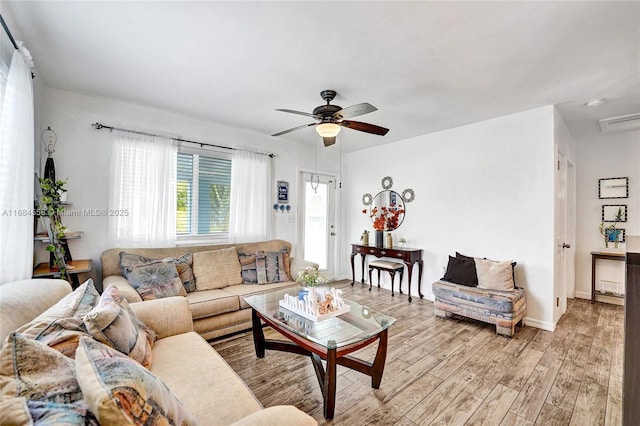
457 371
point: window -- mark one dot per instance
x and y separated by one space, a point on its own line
203 192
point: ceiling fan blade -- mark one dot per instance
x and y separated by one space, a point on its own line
355 110
328 141
294 129
296 112
364 127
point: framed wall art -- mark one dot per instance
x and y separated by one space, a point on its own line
283 191
610 212
613 187
621 235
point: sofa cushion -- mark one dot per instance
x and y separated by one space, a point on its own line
156 281
206 303
249 289
496 302
119 391
113 323
270 267
494 275
216 268
231 399
461 271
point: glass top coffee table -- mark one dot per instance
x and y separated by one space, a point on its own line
332 339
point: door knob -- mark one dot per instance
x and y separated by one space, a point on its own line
565 245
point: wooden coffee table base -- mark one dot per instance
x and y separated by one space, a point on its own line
332 354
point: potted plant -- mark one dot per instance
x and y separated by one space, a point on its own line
311 277
51 208
611 233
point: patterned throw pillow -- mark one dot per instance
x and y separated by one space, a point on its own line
128 262
61 326
51 413
33 370
156 280
272 266
119 391
248 268
113 323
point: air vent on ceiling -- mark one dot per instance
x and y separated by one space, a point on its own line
620 124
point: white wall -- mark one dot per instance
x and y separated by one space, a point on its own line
485 189
605 156
83 153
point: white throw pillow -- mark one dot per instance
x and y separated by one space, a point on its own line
494 275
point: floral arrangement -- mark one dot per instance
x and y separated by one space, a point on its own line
311 277
385 218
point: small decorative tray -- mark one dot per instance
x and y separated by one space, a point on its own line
339 311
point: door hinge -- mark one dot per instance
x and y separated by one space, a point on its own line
557 301
558 165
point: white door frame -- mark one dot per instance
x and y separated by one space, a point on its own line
333 259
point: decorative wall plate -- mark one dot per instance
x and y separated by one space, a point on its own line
367 199
387 182
408 195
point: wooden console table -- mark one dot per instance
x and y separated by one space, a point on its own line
409 256
595 255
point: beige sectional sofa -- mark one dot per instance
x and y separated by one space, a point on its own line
215 312
194 372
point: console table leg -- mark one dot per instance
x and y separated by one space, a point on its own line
353 271
420 264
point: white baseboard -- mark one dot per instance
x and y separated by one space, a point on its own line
583 295
539 324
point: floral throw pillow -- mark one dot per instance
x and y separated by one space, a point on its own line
184 266
156 280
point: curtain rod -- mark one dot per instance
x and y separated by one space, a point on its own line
99 126
13 40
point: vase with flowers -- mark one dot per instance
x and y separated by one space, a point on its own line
384 219
311 277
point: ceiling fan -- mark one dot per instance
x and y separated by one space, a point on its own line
332 118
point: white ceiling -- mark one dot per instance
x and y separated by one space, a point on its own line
427 66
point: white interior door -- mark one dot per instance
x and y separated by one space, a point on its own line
317 219
562 244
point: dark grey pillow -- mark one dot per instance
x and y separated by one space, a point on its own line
461 271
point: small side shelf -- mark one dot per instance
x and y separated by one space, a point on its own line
73 267
43 237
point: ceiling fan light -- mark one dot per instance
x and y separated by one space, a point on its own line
328 130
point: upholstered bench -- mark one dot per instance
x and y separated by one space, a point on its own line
391 267
505 309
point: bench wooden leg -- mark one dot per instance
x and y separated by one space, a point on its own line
442 314
378 278
370 282
505 331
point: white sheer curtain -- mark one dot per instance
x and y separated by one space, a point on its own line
142 191
250 197
17 171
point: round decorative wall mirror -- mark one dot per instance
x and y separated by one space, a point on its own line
387 210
